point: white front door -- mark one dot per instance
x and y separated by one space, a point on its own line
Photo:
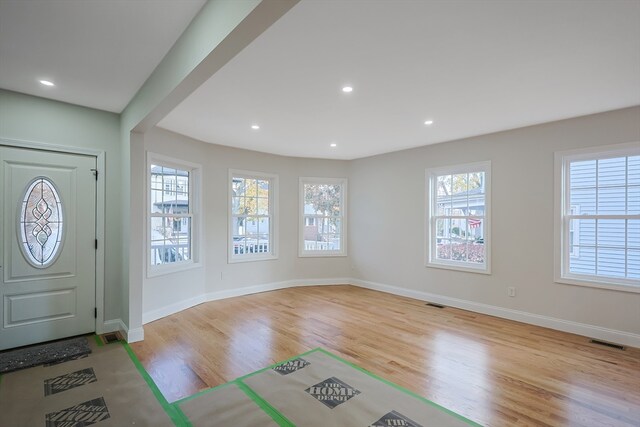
47 245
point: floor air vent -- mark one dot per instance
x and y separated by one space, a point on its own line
433 304
608 344
109 338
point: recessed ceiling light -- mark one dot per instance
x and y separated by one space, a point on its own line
46 83
428 122
255 127
333 145
347 89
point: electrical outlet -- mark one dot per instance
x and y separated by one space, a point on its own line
511 291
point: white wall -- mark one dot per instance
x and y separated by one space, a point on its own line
216 277
29 118
388 196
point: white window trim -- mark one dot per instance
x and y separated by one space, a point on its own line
561 230
273 224
430 244
302 252
195 196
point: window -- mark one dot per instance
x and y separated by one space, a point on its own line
253 200
458 217
41 223
323 217
171 214
598 217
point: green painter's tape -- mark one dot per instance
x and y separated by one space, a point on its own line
200 393
99 342
184 422
177 418
276 416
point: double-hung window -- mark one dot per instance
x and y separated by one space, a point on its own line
253 227
172 209
458 217
323 217
598 217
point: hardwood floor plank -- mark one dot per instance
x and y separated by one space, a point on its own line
494 371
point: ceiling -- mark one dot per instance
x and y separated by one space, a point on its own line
473 67
97 52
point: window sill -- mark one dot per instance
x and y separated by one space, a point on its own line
600 284
235 260
459 267
320 254
165 269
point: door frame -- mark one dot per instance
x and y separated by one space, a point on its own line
100 211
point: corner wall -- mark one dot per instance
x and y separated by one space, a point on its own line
387 225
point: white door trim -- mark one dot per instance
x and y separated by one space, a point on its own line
100 210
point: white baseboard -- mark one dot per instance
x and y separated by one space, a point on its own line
170 309
134 335
592 331
230 293
114 325
111 326
167 310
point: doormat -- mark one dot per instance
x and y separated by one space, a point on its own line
108 388
41 354
314 389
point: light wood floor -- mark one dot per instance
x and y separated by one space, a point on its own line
493 371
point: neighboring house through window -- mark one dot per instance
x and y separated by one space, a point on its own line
323 217
253 228
458 217
598 217
171 214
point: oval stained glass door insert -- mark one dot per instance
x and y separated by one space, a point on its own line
41 223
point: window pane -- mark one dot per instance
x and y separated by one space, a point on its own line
611 200
238 226
585 198
633 171
238 186
263 227
476 251
156 201
633 264
611 262
585 230
459 185
476 183
582 174
633 200
262 206
443 249
238 245
585 263
238 206
611 232
633 234
612 171
262 188
443 206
